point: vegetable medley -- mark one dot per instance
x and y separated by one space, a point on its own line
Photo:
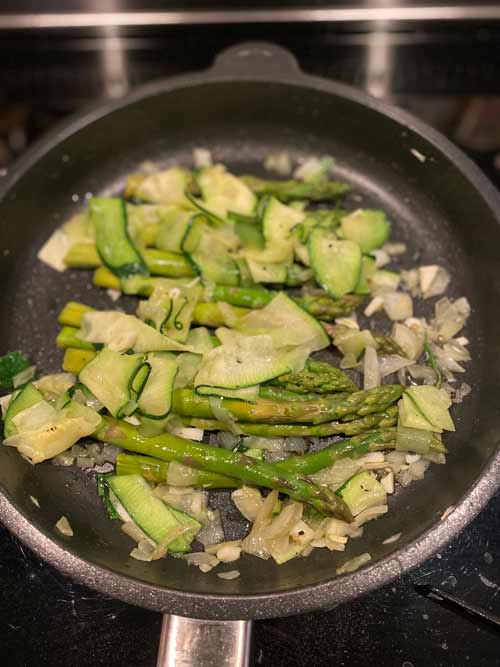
250 363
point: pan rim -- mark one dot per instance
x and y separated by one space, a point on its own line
333 591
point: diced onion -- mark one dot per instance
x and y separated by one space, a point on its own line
279 163
201 559
408 340
269 444
371 369
248 501
392 538
398 305
391 363
354 563
23 376
202 157
376 304
232 574
387 482
212 532
227 440
64 527
228 553
297 445
381 257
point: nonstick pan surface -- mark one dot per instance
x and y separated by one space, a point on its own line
253 102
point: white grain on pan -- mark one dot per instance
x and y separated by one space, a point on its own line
232 574
34 501
392 538
447 512
420 156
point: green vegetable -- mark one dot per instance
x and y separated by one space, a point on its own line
317 190
317 376
361 492
155 399
368 268
113 243
336 264
21 400
153 516
103 492
434 405
10 365
368 228
170 448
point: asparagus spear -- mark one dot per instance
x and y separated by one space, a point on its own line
281 394
168 447
316 190
318 377
387 345
187 403
156 471
159 262
74 359
327 309
383 419
68 337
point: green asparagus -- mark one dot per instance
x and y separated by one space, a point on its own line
318 377
187 403
168 447
315 190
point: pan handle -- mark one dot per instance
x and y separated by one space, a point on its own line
191 642
256 58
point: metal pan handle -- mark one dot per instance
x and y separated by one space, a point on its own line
191 642
256 58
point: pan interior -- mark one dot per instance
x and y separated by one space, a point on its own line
434 209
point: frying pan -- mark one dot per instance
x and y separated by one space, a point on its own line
252 102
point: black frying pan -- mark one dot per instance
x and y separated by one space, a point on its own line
253 101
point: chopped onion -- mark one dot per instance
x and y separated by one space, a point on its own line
4 403
227 440
295 445
435 457
349 322
391 363
179 474
418 468
381 257
269 444
279 163
313 168
392 538
223 415
64 527
394 248
408 340
371 369
284 522
376 304
248 501
349 361
450 317
410 281
202 157
228 553
354 563
212 532
201 559
463 391
336 528
35 501
425 373
187 432
398 305
302 533
369 514
113 294
232 574
132 419
387 482
433 280
23 376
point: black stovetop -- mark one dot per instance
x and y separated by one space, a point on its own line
451 78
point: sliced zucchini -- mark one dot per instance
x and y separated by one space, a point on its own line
368 268
278 220
368 228
188 365
249 394
250 234
223 192
434 404
209 254
165 187
267 272
113 243
336 264
170 307
245 361
411 417
155 400
172 229
21 400
200 341
153 516
287 323
125 332
43 438
361 492
110 377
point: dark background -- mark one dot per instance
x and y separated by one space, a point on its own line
446 72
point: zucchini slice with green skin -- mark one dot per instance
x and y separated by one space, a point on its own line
248 394
113 243
434 404
116 380
368 228
361 492
172 229
336 264
152 515
223 192
368 268
155 400
267 272
277 221
209 254
21 400
164 187
287 323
